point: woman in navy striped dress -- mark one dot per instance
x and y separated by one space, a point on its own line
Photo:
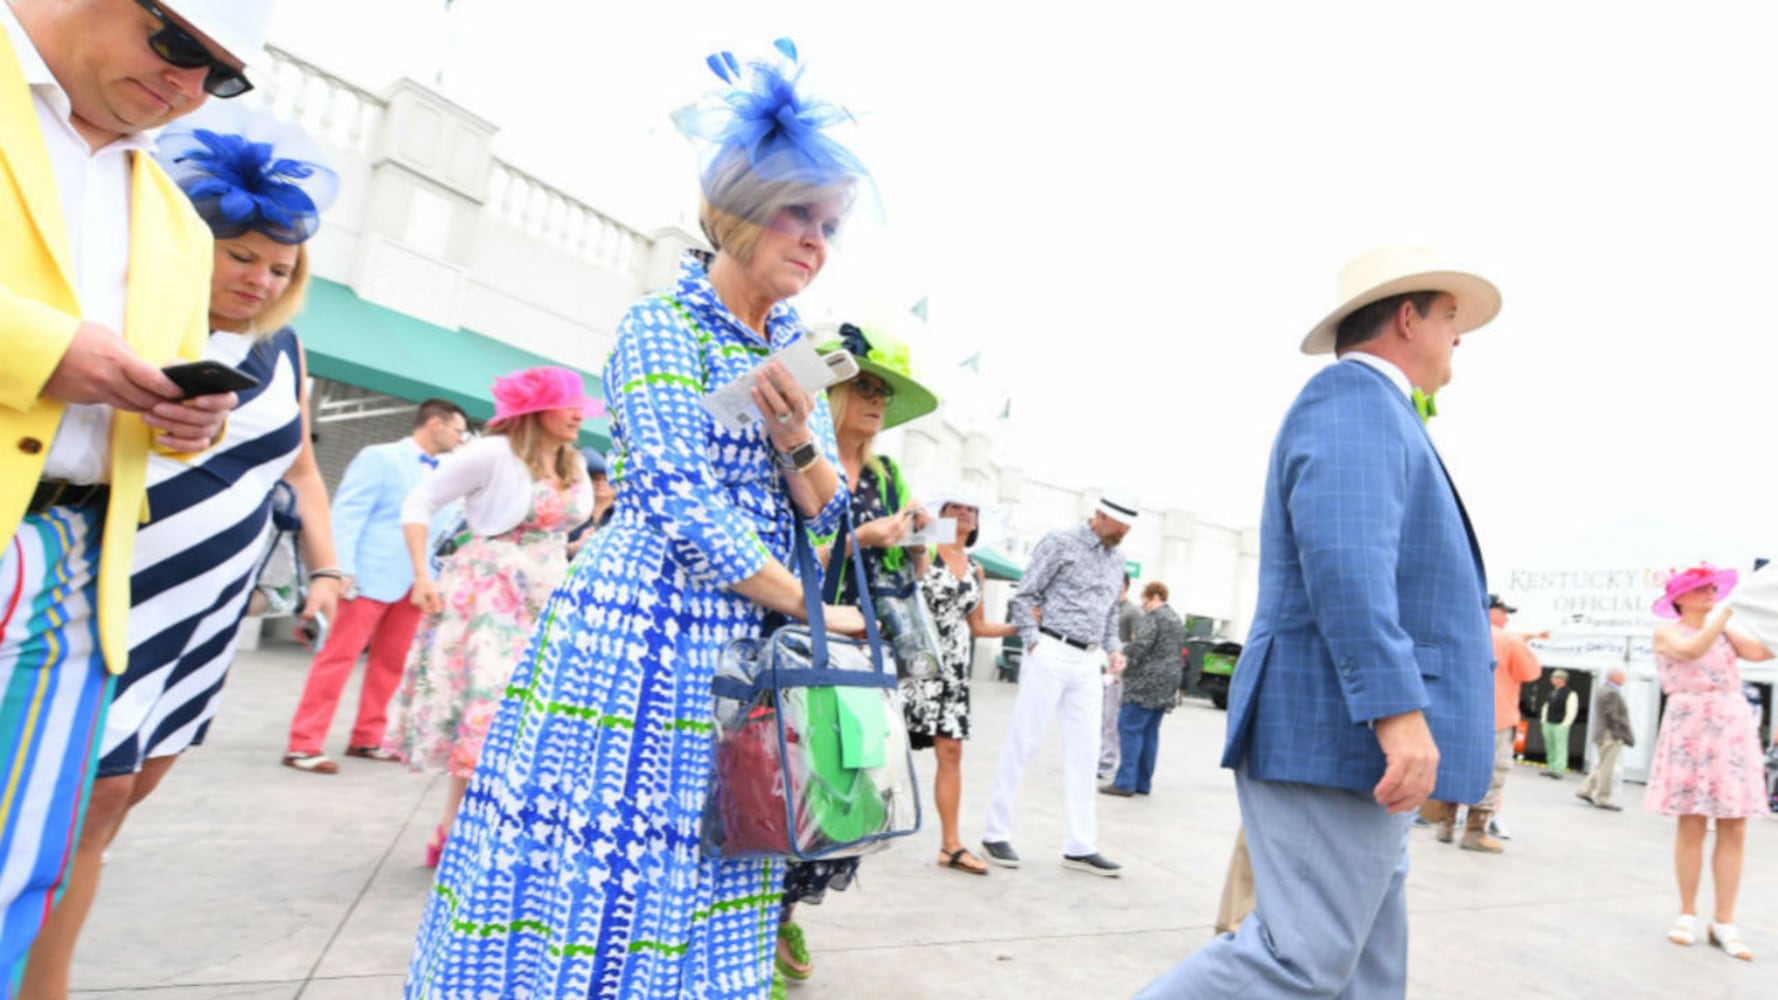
197 558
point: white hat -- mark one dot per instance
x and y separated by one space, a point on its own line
1118 506
1378 274
237 26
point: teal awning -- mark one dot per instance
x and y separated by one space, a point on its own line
373 347
998 566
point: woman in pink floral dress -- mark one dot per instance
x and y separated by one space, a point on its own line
524 487
1707 760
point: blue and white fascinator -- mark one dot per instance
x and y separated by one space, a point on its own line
764 124
249 172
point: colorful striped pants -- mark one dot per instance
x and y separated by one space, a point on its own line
53 695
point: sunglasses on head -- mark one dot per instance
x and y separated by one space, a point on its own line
179 47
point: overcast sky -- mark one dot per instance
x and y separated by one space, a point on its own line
1135 211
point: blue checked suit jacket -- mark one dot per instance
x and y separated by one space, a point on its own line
1372 599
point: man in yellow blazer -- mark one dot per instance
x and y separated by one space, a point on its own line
104 278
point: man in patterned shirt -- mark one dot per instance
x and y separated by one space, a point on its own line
1073 582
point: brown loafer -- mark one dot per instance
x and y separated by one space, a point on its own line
372 753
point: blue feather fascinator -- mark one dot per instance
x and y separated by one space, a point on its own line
253 174
765 124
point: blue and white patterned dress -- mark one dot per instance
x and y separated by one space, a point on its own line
574 868
197 560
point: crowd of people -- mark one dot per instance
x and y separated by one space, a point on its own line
543 625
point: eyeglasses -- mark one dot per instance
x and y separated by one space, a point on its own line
873 389
179 47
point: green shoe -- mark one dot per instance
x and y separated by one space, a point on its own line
778 990
792 935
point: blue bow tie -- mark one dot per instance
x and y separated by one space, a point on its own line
428 461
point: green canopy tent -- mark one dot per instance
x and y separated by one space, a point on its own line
364 344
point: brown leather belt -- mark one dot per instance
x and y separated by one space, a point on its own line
56 493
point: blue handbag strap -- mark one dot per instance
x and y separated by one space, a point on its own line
809 568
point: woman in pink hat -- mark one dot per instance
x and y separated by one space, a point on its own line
1707 760
524 487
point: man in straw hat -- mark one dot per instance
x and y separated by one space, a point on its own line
1364 687
1066 613
104 278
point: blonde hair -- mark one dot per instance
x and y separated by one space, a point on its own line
525 434
749 203
280 311
839 397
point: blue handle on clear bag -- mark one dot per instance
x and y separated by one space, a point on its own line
809 568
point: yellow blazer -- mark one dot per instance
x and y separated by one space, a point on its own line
166 320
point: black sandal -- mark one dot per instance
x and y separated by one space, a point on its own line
954 859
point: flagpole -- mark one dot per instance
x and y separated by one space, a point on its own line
450 46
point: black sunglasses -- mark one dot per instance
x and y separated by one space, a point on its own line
874 389
180 48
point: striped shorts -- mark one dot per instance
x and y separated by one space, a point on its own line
53 695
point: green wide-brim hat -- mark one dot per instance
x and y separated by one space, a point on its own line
889 363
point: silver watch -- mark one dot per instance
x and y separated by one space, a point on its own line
798 458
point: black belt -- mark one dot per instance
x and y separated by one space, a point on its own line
56 493
1076 643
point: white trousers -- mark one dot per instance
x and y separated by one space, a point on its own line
1054 675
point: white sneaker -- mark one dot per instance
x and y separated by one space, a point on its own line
1497 831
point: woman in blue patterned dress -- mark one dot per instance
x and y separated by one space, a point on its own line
195 563
574 868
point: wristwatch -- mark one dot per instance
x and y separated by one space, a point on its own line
798 459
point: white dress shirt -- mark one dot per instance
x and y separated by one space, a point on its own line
95 189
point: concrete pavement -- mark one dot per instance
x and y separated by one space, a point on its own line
244 880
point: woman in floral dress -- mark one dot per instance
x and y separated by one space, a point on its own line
524 487
1707 761
938 707
575 869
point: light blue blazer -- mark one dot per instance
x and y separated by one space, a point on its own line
366 512
1372 599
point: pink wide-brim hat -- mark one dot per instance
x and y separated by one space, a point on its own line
534 390
1680 584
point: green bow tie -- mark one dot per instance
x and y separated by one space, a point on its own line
1425 405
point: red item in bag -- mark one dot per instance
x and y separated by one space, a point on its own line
750 782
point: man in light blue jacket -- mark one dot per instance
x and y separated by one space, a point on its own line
379 573
1365 685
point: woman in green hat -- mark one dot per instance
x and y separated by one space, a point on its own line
882 395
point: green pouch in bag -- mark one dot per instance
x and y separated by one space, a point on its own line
841 800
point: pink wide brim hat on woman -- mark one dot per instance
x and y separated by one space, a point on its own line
535 390
1680 584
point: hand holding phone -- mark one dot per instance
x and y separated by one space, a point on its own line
208 378
313 631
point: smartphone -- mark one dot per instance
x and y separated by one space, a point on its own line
732 405
207 378
841 365
313 632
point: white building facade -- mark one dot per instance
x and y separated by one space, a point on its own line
440 264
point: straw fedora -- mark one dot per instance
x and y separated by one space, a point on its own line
1378 274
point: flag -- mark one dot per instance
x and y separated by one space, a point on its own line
919 310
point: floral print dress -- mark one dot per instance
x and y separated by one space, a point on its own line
494 589
939 705
1707 760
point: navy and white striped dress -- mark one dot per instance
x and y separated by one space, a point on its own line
197 557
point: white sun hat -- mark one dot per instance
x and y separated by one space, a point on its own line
1378 274
238 26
